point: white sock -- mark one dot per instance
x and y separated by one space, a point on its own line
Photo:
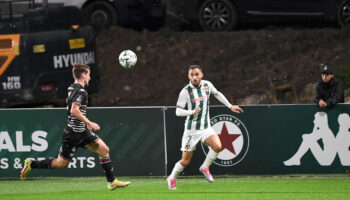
211 156
178 168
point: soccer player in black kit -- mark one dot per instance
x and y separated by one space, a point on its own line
78 133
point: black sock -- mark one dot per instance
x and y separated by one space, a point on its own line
43 164
108 168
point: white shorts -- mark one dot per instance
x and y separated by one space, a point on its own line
191 138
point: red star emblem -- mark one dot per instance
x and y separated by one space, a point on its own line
227 139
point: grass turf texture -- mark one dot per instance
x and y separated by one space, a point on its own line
241 187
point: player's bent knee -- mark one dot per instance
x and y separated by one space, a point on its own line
217 148
107 149
105 152
185 162
61 165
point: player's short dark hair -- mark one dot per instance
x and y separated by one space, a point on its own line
78 69
194 67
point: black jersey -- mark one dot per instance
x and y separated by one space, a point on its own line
77 95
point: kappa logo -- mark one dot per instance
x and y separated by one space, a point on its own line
234 139
332 144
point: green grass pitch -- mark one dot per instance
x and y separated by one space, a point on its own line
298 187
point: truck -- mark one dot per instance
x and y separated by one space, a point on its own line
37 51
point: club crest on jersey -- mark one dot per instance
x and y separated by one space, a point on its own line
234 139
79 98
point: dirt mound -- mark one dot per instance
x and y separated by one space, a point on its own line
238 63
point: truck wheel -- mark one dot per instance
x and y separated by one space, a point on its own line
217 15
100 14
343 13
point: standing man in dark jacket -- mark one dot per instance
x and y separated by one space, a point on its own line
329 90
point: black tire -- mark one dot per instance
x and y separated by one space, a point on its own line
343 13
217 15
100 14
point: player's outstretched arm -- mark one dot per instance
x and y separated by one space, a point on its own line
219 96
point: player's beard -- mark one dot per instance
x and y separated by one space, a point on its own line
196 83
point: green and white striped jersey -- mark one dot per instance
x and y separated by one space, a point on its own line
191 97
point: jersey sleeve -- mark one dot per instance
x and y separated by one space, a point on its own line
182 112
212 89
182 100
218 95
79 97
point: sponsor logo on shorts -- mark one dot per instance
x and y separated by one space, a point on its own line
234 139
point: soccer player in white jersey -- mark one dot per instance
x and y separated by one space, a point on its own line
195 96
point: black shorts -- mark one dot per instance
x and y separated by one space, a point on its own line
71 141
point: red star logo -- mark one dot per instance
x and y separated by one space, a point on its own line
227 139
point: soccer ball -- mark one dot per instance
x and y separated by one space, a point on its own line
127 59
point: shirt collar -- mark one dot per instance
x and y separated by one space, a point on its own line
77 83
